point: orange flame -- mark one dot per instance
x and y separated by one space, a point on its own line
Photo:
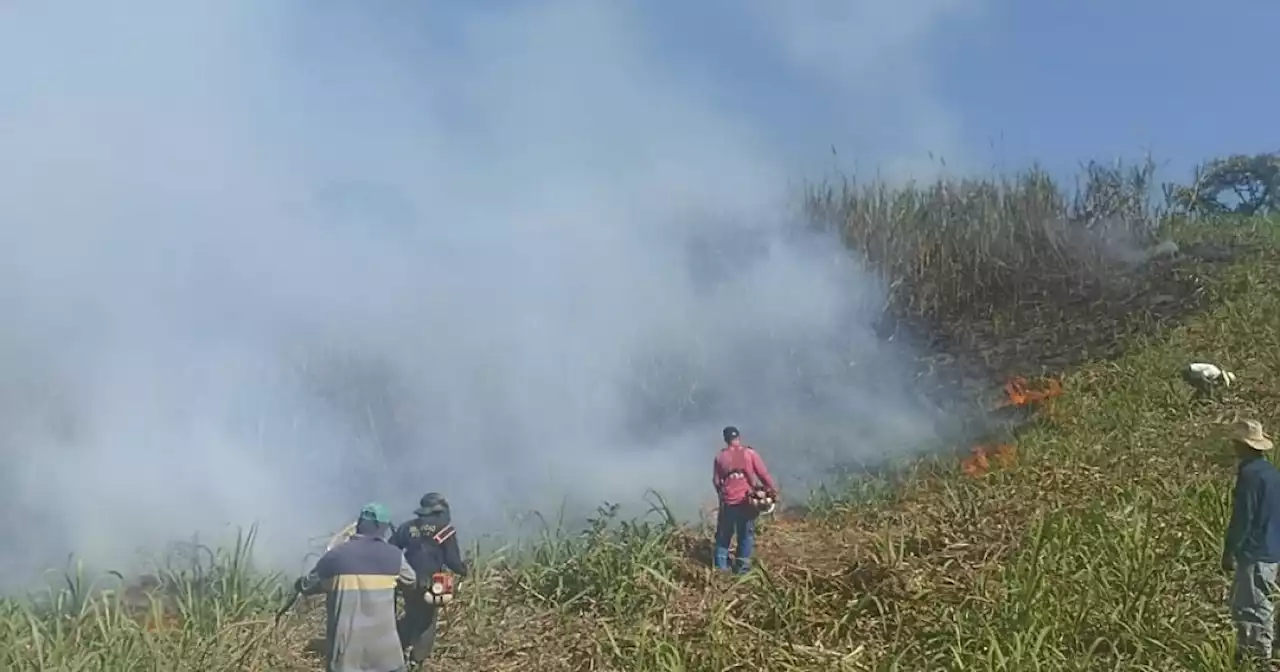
1005 455
980 458
1019 393
165 620
976 465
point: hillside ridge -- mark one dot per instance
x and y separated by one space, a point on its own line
1090 543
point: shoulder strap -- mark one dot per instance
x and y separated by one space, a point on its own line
444 534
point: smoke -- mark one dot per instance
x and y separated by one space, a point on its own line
266 261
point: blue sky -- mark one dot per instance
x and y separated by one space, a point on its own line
1066 80
981 82
1055 81
995 82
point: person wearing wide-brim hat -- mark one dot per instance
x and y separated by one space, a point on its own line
1252 547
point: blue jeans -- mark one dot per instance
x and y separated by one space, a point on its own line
739 520
1254 588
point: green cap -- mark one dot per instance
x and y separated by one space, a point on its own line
376 512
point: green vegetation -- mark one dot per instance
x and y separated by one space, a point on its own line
1096 549
1240 184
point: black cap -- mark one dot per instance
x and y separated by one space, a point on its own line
432 502
731 433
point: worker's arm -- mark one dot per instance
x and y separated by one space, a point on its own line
1243 511
319 579
717 479
400 537
762 472
453 556
407 578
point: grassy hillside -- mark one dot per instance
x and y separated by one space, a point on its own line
1091 544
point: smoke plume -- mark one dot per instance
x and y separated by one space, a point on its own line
266 261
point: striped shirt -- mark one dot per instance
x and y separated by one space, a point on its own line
360 578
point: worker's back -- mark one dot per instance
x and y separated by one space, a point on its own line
361 577
1259 482
737 468
430 544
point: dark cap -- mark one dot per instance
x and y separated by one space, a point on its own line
731 433
432 502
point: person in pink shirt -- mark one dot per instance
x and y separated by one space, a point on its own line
737 470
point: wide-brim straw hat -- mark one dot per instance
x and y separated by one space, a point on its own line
1249 433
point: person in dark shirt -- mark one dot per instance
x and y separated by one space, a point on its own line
430 545
1252 547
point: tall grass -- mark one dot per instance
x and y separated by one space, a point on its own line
961 245
203 609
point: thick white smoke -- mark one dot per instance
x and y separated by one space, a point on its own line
265 261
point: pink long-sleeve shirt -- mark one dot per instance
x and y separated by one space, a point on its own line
736 471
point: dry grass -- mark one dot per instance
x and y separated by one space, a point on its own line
1090 543
960 247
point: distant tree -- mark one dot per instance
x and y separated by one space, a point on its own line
1239 184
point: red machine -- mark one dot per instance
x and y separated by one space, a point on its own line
763 500
440 590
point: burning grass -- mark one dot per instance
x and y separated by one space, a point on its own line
980 459
1020 393
1089 543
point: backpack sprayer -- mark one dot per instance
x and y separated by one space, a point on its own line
764 500
440 590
